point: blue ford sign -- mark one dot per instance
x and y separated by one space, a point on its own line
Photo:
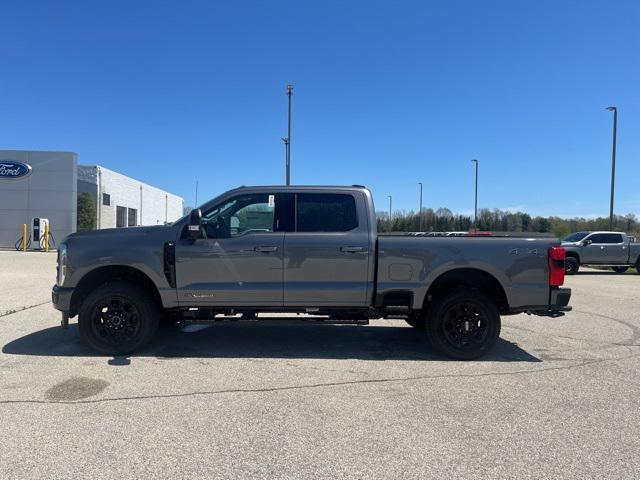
11 169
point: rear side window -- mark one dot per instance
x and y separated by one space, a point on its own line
326 212
606 238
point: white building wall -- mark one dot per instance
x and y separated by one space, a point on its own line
153 206
49 192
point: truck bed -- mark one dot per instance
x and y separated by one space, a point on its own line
519 264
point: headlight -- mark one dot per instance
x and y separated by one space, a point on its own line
62 263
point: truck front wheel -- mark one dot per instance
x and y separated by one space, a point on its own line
464 324
118 318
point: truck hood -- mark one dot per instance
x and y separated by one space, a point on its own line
570 244
117 232
112 236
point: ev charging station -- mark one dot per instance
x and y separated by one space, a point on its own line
40 233
39 238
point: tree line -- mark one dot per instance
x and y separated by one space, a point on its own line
444 220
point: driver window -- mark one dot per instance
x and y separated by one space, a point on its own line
241 215
602 238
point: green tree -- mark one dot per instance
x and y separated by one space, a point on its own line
86 212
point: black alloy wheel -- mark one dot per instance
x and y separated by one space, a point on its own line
118 318
115 320
571 265
464 324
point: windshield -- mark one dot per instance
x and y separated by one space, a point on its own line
575 237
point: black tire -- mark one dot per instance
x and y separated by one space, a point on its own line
118 318
571 265
419 322
619 269
464 324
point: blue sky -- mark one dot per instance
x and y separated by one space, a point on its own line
387 94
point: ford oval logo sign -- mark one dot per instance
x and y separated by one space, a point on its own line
11 169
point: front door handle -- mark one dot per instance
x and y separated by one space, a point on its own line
266 248
352 249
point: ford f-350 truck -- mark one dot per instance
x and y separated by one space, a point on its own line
307 250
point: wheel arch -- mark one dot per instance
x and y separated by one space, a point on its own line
472 278
575 255
110 273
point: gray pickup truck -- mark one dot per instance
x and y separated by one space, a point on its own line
612 249
301 249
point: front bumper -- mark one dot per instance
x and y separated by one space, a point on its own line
61 298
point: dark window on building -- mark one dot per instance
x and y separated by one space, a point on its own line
106 199
606 238
326 212
132 213
121 217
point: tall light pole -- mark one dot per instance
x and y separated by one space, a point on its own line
287 141
420 209
390 199
613 163
475 214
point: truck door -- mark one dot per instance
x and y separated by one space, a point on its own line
606 249
326 258
240 261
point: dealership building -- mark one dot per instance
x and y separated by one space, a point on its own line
37 184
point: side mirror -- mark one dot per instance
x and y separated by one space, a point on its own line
195 224
587 242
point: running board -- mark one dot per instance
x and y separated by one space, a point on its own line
278 320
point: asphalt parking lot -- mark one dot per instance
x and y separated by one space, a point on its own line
558 398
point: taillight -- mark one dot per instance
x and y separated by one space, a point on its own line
556 266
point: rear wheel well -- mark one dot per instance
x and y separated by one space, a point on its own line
112 273
574 255
470 278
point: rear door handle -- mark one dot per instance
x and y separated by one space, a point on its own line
352 249
266 248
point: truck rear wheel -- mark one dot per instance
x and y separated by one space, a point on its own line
118 318
571 265
464 324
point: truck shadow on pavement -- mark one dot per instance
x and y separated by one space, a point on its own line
265 340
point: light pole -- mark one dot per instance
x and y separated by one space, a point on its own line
613 162
389 210
420 209
475 214
287 141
